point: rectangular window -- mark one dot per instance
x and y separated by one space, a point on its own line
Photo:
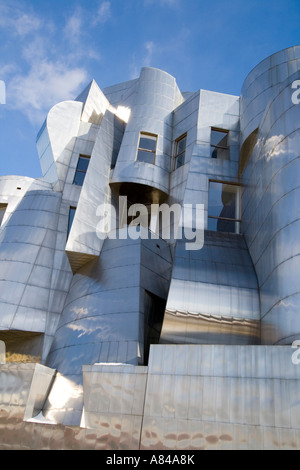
2 212
219 144
81 169
180 146
147 148
72 211
224 207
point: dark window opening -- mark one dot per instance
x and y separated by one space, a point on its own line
224 207
154 309
147 148
72 211
219 144
180 146
81 169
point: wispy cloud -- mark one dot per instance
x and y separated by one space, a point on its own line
17 21
149 46
103 14
45 84
37 76
144 61
72 30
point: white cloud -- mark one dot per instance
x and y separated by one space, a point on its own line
7 69
25 24
149 46
77 38
46 84
73 26
145 61
103 14
14 19
48 65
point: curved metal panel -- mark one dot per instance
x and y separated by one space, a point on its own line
213 296
271 215
154 98
261 84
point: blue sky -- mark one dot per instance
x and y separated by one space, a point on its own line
50 50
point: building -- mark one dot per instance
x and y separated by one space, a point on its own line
124 328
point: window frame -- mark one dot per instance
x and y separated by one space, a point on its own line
78 170
214 147
238 206
146 134
176 154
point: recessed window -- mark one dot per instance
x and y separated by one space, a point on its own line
219 144
2 212
72 211
224 207
81 169
180 146
147 148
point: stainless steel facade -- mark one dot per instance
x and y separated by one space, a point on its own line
189 397
81 314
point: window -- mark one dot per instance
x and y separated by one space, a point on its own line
72 211
2 212
219 144
180 146
147 148
82 166
224 207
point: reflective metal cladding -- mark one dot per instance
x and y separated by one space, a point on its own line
149 282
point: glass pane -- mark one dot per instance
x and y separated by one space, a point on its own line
212 224
180 160
214 152
220 225
83 163
220 153
219 138
148 143
71 218
147 157
222 200
181 146
79 178
226 226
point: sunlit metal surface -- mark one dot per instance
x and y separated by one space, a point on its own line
213 296
270 211
190 397
192 328
114 402
152 99
221 397
103 314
